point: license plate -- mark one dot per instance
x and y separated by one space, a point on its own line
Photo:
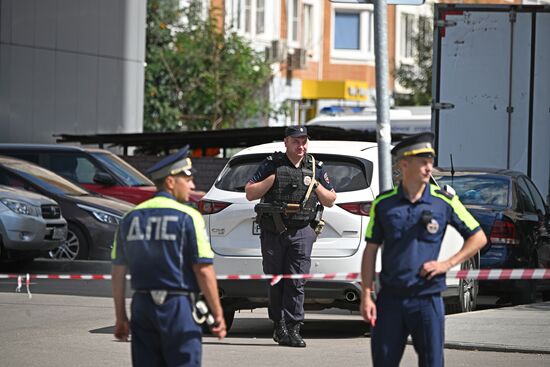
255 228
59 233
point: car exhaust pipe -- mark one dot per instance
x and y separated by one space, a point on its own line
351 296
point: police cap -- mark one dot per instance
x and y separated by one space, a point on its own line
295 131
418 145
172 165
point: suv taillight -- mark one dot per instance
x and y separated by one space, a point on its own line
211 207
504 233
359 208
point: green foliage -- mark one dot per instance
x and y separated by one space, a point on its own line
198 76
417 77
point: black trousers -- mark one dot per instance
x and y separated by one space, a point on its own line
287 253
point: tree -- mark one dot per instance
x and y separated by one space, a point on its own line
199 76
417 77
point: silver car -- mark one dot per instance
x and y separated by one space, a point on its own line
29 224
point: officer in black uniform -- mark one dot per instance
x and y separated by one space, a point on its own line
410 221
294 188
164 246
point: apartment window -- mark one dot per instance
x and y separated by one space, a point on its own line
260 16
407 34
247 16
294 21
308 27
347 28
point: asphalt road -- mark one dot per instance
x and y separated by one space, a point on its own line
70 323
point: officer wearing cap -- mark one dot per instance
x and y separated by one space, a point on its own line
410 221
294 188
163 244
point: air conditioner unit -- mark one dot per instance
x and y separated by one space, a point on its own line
298 60
276 52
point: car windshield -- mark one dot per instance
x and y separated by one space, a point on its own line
345 174
123 170
44 178
478 189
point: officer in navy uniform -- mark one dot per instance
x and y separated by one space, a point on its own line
290 180
410 221
163 244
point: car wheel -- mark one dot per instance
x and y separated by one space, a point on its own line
466 300
75 247
468 288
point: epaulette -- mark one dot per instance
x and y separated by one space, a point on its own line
445 193
276 157
319 163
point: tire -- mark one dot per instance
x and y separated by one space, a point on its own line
525 296
468 289
74 248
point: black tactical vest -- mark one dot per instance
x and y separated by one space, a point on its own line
290 187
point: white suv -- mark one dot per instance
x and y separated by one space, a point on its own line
234 234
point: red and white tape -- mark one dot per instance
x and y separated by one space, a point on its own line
483 274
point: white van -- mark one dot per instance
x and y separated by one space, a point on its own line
402 121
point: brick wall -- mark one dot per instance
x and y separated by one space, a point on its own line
207 168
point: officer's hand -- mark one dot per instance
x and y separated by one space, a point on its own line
368 309
122 330
432 268
219 329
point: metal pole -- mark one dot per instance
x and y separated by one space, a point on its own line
383 128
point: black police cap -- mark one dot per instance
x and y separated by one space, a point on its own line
419 145
295 131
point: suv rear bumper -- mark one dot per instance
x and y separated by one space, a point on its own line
250 294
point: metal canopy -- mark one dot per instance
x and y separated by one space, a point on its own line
226 138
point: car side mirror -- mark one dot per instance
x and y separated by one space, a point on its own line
104 178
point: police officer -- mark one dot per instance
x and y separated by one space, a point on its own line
297 183
410 221
164 246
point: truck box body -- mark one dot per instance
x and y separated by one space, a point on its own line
491 88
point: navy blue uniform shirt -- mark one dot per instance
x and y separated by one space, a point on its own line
409 241
269 166
160 240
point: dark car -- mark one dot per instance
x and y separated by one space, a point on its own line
92 219
97 170
515 218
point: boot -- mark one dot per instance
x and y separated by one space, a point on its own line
280 332
294 337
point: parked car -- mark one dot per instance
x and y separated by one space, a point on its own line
234 233
515 219
29 224
91 218
97 170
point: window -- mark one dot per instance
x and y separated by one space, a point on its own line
260 16
307 41
525 198
247 16
345 174
353 34
347 27
407 35
535 194
293 31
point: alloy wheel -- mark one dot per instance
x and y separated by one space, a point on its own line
68 250
468 289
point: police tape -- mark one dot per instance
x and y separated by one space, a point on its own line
472 274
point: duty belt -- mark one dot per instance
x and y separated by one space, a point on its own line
159 295
201 312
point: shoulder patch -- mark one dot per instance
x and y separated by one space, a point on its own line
447 194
